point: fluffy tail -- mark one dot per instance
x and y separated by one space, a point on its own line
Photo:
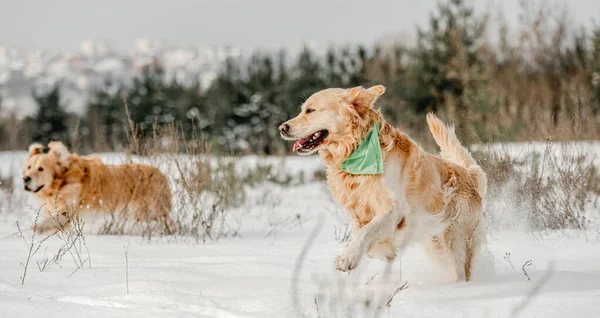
453 151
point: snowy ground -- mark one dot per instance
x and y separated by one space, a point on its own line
259 273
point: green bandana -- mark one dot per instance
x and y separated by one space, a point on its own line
367 158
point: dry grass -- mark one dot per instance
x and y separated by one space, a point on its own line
11 198
546 189
202 189
70 234
204 185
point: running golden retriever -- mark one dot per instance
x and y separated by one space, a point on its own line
418 198
70 184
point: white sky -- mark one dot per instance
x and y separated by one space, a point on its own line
63 24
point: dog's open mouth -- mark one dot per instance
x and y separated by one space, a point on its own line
308 144
36 190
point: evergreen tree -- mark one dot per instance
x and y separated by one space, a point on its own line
146 100
50 121
223 96
307 77
105 121
246 104
449 62
389 66
263 88
346 68
152 101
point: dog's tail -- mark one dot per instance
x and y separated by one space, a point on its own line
453 151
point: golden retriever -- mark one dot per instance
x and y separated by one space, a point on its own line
418 198
69 184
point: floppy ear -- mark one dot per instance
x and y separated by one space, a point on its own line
35 149
61 152
361 97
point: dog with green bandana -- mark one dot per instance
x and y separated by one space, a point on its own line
394 192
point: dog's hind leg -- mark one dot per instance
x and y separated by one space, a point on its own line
438 252
457 246
448 252
455 250
473 244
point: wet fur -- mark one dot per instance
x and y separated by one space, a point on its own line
419 198
75 185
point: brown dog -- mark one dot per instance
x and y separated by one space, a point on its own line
418 198
70 184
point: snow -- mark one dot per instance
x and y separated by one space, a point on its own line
254 274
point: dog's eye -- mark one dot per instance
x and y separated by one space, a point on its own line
40 169
29 167
309 110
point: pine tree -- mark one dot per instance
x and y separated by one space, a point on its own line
105 119
222 97
449 58
307 76
346 68
389 66
262 91
50 121
152 101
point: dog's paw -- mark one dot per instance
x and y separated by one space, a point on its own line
349 259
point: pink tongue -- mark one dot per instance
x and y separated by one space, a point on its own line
296 145
301 141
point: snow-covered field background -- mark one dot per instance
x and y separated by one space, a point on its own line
280 262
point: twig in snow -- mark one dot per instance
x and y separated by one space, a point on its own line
342 234
79 267
373 277
528 263
29 253
45 264
391 297
534 291
126 250
32 246
507 258
70 231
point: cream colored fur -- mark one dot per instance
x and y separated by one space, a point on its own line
420 197
68 185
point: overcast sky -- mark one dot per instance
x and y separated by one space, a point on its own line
62 24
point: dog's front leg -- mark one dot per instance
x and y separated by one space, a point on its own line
57 214
362 238
52 220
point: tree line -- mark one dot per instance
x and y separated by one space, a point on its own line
538 82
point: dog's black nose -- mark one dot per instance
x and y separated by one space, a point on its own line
26 179
284 128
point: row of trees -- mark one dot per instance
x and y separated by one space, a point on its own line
540 82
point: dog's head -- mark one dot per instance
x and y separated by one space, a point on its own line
43 165
333 118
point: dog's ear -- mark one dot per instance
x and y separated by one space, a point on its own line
36 149
364 97
60 151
